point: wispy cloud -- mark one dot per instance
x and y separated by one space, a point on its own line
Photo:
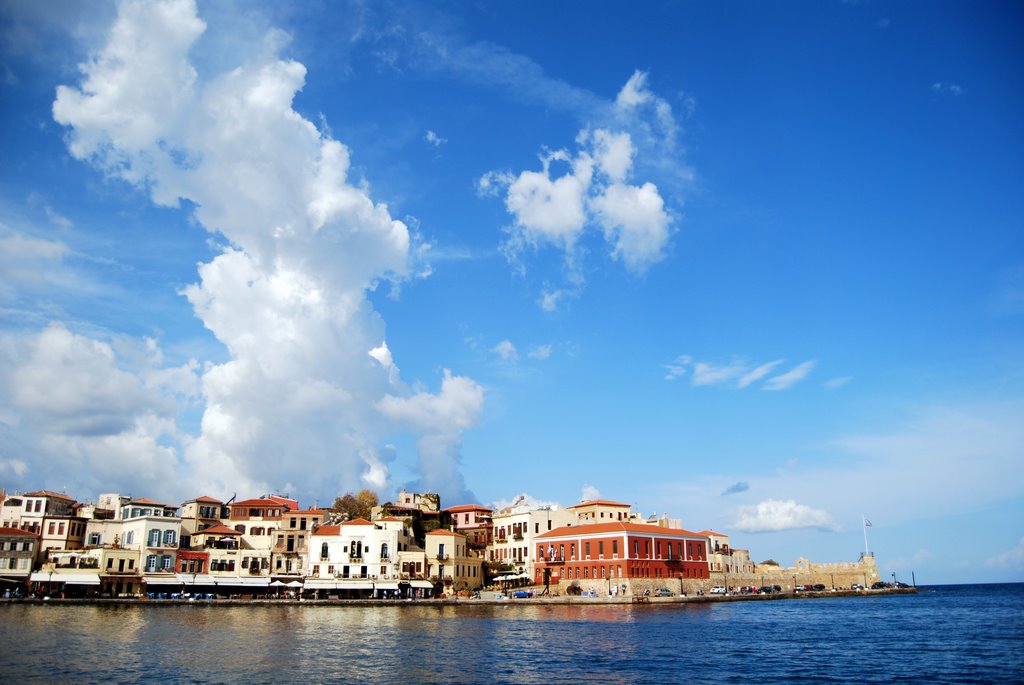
791 377
540 352
1012 558
836 383
506 350
758 373
947 89
736 371
434 139
706 373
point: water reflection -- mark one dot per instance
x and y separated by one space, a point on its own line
858 640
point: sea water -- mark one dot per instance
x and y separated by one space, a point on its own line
943 634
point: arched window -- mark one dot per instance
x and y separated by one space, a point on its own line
323 551
384 551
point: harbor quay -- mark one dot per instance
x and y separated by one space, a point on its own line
466 601
271 549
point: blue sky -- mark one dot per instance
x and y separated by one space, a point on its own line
756 265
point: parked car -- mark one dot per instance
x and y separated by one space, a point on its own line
818 587
663 592
764 590
718 590
522 594
856 586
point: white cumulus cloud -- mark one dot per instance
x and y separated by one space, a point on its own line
775 515
287 296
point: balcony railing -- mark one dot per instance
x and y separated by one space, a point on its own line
552 559
443 557
517 536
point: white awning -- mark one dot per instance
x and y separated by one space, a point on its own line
321 584
387 585
70 578
424 584
161 580
243 582
198 579
354 585
83 579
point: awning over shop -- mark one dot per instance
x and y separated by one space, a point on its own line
83 579
198 579
422 584
69 578
321 584
355 585
243 582
387 585
161 580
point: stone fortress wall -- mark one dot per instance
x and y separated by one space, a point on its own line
839 575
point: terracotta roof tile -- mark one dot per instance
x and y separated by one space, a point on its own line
357 522
467 507
601 502
152 503
48 493
4 530
258 502
206 499
448 533
328 530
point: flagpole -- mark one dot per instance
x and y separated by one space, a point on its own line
864 523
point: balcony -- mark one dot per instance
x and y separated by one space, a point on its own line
552 559
443 557
517 536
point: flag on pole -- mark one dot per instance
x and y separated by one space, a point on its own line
867 522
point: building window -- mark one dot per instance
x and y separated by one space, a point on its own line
586 549
154 538
150 563
323 551
170 537
94 538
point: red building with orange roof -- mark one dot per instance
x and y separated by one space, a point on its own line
629 557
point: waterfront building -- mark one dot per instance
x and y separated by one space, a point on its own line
29 511
199 513
18 551
515 529
62 532
474 521
600 510
722 558
629 557
93 572
291 543
450 562
357 558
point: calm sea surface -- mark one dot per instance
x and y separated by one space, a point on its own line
945 634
